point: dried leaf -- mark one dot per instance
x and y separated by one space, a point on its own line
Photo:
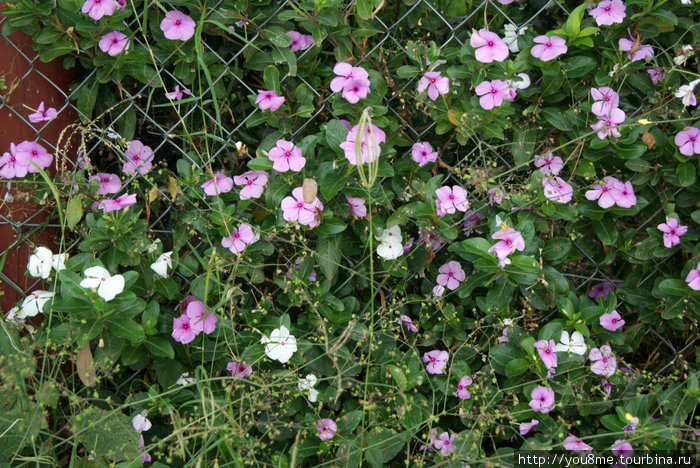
310 189
84 364
173 187
648 139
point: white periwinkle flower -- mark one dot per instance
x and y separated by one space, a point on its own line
13 316
685 93
107 286
281 345
307 383
573 344
162 264
140 422
43 260
511 36
390 247
184 379
33 304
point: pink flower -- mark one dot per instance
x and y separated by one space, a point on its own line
509 240
495 196
608 12
42 115
445 443
221 183
624 194
178 93
200 317
462 392
438 290
300 41
601 290
33 153
409 323
546 352
96 9
527 426
423 153
13 166
608 125
611 321
603 362
557 189
368 151
354 90
347 73
688 141
548 48
549 164
641 51
239 370
182 329
492 93
504 336
177 25
622 448
114 43
139 158
542 399
108 183
253 183
574 443
269 100
489 47
605 100
286 157
603 192
240 238
121 202
451 199
656 74
451 274
435 84
327 429
145 457
294 208
693 278
672 232
357 207
437 360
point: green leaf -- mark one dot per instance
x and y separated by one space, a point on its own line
364 8
108 434
579 65
573 22
260 163
407 71
331 226
674 287
336 133
74 211
631 152
556 118
332 183
271 77
606 230
523 146
159 346
666 15
328 255
686 173
517 367
128 329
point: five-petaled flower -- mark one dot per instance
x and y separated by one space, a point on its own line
201 319
177 94
140 422
693 278
352 81
575 444
635 50
42 115
286 156
462 393
549 164
688 141
450 199
542 399
33 303
326 429
300 41
294 208
434 83
451 274
177 25
139 158
43 261
253 183
107 183
357 206
608 12
423 153
488 46
548 48
268 100
603 361
611 321
221 183
96 9
436 360
114 43
240 238
492 93
239 369
107 286
162 264
281 345
572 344
369 145
673 231
546 352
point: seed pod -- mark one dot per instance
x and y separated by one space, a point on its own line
310 189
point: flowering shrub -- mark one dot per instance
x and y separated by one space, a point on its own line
313 244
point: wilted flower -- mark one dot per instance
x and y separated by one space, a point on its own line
656 74
42 115
300 41
635 50
510 38
123 201
622 448
409 323
33 303
686 94
369 145
527 426
357 206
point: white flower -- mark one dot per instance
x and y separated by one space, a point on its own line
140 422
58 262
281 345
393 233
12 316
107 286
511 36
390 249
184 379
685 2
162 263
307 383
33 304
502 263
685 92
39 265
575 344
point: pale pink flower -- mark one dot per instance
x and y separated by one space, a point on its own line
504 336
31 151
434 83
294 208
326 428
495 196
603 192
300 41
492 93
542 399
221 183
608 12
114 43
200 317
672 230
177 94
601 290
462 393
253 183
177 25
286 156
108 183
451 199
549 164
527 426
608 125
605 100
548 48
509 240
240 238
96 9
451 274
269 100
488 46
603 361
139 158
693 278
437 360
119 203
423 153
557 189
622 448
688 141
547 353
686 95
641 51
606 387
409 323
239 370
354 90
357 206
42 115
611 321
438 290
369 152
182 329
574 443
347 73
11 165
624 194
445 443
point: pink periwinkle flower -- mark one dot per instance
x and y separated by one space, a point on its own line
526 427
438 290
326 428
608 12
119 203
114 43
603 192
269 100
504 336
96 9
355 90
673 231
221 183
611 321
423 153
492 93
300 41
139 158
656 74
624 194
353 81
495 196
546 352
693 278
200 317
294 208
437 360
688 141
451 199
542 399
357 206
462 393
253 183
108 183
30 151
574 443
405 319
549 164
286 156
182 329
451 274
13 166
488 46
239 370
557 189
601 290
435 84
369 147
121 4
608 125
622 448
42 115
509 240
177 25
177 94
605 99
635 50
445 443
240 238
548 48
603 361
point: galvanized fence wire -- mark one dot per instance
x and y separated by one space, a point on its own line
454 32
